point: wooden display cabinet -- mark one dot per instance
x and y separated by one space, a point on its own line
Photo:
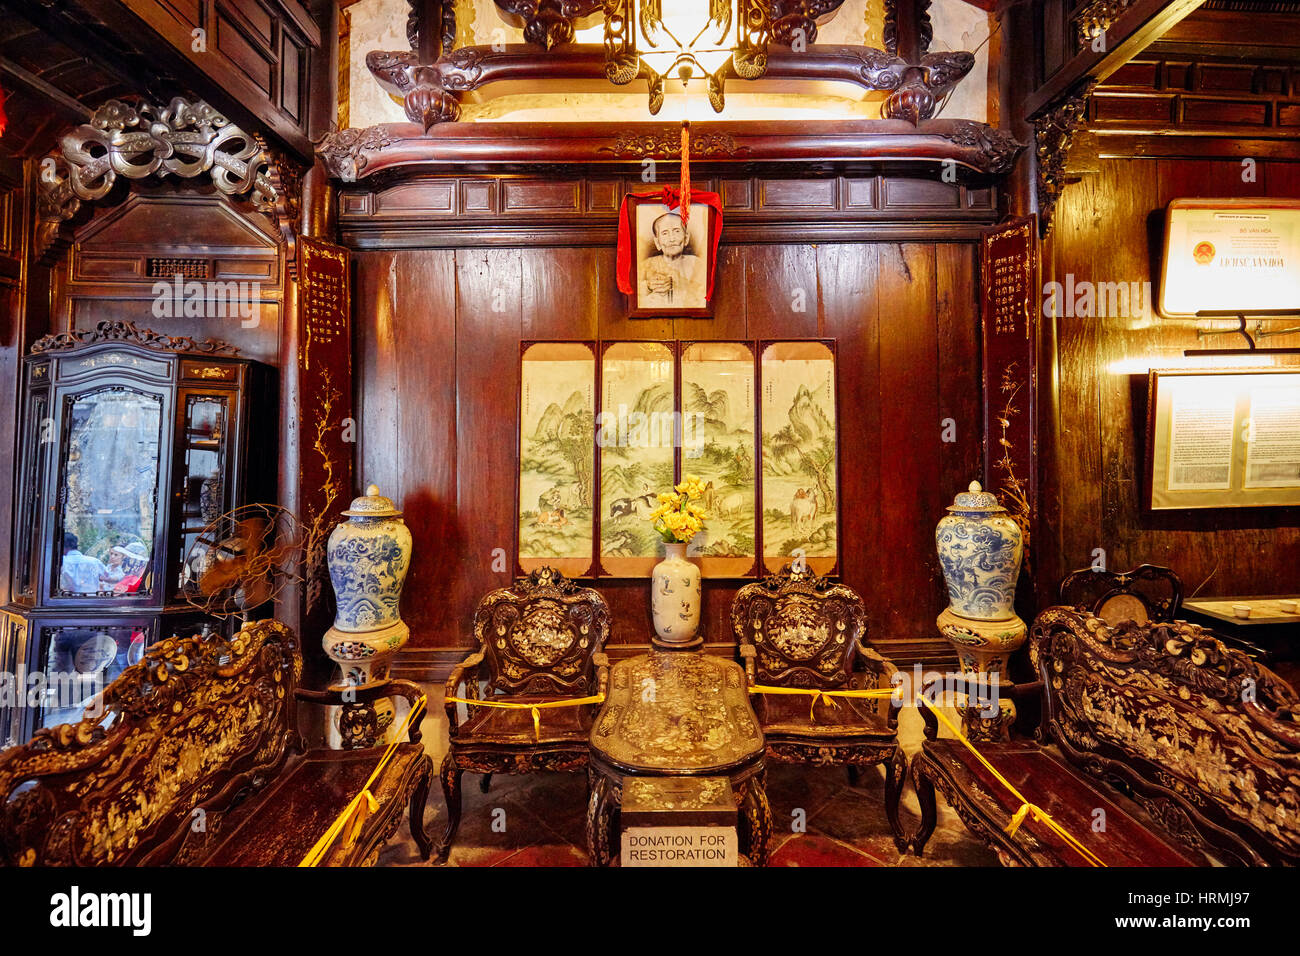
132 443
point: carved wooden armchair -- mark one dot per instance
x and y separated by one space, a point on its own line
542 641
1145 594
798 630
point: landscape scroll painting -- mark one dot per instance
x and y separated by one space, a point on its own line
718 448
636 435
800 478
557 415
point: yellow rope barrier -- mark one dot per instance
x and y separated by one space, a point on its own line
353 816
827 695
536 708
1026 807
1017 818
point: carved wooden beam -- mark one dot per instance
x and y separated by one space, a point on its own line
354 154
181 139
431 92
1054 132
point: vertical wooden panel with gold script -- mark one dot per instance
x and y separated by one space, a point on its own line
1009 287
325 419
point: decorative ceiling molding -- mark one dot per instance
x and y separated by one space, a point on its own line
1054 132
431 92
182 139
401 149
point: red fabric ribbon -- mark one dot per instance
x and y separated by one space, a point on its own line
670 197
4 120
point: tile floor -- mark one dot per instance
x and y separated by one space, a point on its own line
544 819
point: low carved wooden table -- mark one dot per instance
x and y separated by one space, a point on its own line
677 714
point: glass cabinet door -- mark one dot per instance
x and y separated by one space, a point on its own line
80 661
31 493
108 494
205 438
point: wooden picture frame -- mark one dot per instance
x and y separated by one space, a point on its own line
649 261
635 418
793 525
709 423
555 517
1223 438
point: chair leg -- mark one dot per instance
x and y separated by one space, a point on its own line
450 776
929 811
419 797
895 779
484 782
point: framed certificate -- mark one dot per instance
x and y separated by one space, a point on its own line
1223 438
1231 255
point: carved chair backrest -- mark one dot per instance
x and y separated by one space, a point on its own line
539 635
804 628
1207 739
1147 593
185 731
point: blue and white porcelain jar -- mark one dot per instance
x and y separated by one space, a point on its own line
980 548
368 557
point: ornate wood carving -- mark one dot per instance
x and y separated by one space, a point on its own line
540 634
547 23
182 139
129 333
542 638
795 21
1178 716
1157 591
431 91
1054 131
797 629
345 151
1095 18
667 144
194 722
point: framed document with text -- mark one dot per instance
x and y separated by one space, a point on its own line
1223 438
1231 255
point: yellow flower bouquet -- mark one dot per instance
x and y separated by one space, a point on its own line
678 518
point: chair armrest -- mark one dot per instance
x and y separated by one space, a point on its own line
970 686
885 671
747 653
454 680
365 694
601 660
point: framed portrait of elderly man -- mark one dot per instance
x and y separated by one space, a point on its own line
671 260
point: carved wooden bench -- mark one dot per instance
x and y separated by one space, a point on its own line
1190 748
196 760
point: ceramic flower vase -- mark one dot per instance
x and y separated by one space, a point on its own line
368 557
675 599
980 548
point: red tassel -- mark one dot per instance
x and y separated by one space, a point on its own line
685 193
4 120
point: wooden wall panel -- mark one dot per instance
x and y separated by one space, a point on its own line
1109 228
438 344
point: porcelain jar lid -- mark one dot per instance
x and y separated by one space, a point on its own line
372 505
975 498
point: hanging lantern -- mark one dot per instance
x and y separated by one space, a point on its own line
704 40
